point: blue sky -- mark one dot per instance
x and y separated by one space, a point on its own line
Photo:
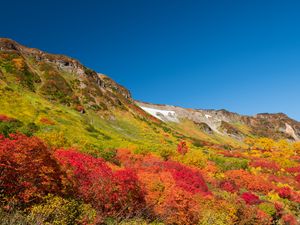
243 56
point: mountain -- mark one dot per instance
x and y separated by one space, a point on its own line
87 107
77 148
37 85
223 122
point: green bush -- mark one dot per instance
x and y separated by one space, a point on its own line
268 208
229 163
14 126
8 127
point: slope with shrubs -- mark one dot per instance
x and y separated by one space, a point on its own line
76 149
44 185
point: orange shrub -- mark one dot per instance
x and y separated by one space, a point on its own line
244 179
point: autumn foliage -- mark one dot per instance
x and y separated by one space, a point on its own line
28 171
4 118
110 192
69 186
250 198
243 179
182 148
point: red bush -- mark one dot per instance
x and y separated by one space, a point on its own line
228 186
111 193
27 169
293 169
186 178
297 178
4 118
244 179
250 199
46 121
279 207
285 192
265 164
289 219
182 148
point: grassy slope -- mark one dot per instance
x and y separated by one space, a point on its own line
33 91
86 131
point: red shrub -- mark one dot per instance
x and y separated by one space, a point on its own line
297 178
128 189
289 219
228 186
263 218
46 121
186 178
265 164
293 169
244 179
180 207
285 192
111 193
182 148
279 207
4 118
295 197
166 200
27 169
250 199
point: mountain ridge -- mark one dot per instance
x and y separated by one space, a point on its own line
64 80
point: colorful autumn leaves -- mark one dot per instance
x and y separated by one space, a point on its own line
145 187
111 193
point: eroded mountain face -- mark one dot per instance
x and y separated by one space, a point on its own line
227 123
66 81
60 78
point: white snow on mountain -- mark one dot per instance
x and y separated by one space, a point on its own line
164 115
207 116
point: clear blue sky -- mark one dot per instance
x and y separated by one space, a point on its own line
243 56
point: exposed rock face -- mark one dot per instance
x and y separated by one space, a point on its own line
113 86
86 87
224 122
204 127
64 63
230 130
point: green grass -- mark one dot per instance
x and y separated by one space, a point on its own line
89 131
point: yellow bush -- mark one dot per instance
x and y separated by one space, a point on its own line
194 157
59 211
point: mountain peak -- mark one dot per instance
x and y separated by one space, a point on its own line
8 44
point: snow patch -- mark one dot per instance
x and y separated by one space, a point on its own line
164 115
207 116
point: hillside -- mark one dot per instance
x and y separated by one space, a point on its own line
225 123
76 148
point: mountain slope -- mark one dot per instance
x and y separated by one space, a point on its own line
90 109
76 148
230 124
